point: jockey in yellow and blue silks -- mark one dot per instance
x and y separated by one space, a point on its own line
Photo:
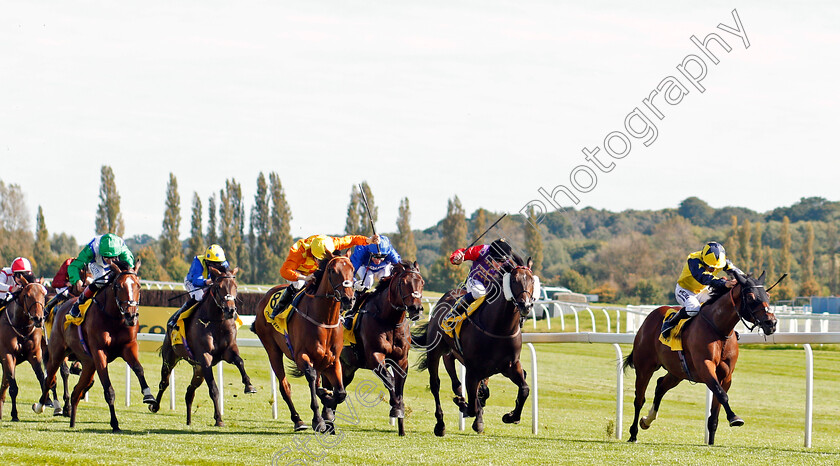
198 278
698 274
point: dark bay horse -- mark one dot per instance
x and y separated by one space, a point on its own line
383 337
491 341
710 347
21 333
211 338
315 338
109 331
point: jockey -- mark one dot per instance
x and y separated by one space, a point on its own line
488 260
198 278
98 255
9 278
303 260
697 275
372 263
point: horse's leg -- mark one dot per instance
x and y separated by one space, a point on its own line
400 374
167 365
275 358
130 356
473 407
65 380
432 363
517 376
207 370
100 361
82 386
198 377
38 368
8 378
311 374
709 377
663 384
643 375
715 411
53 365
449 364
232 357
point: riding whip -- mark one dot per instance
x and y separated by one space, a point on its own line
367 209
485 231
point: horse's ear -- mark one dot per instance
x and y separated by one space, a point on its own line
213 271
739 278
415 266
116 266
529 262
234 271
137 266
761 278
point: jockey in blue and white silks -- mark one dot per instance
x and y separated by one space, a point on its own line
373 262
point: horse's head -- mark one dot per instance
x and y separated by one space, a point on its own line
32 299
406 289
127 292
337 279
754 301
223 291
520 286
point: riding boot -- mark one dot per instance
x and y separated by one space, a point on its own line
463 304
174 319
671 322
284 301
357 303
75 312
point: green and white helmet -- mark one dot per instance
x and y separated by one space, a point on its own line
111 245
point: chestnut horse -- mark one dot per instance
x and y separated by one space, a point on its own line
710 347
21 333
314 340
490 340
211 338
109 331
383 336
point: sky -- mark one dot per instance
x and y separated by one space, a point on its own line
489 101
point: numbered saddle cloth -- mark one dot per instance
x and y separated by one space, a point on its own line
281 321
451 323
674 339
179 333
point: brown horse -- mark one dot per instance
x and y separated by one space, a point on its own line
314 341
109 331
490 343
710 347
383 336
21 333
211 338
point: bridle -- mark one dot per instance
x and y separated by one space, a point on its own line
123 307
743 311
403 306
217 285
335 295
33 322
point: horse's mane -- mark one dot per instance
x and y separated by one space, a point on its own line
405 265
322 265
716 293
123 265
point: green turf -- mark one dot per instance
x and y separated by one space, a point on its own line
576 420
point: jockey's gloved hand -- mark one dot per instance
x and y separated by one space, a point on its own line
359 285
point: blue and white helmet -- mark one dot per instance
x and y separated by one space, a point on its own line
384 247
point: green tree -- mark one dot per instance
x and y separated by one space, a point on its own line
212 237
404 239
42 254
281 223
109 219
732 241
808 286
697 211
771 263
15 237
152 270
744 245
573 280
534 241
265 261
757 249
647 291
169 242
479 222
785 258
238 204
358 222
446 276
196 242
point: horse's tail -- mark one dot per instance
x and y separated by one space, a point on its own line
292 369
254 327
418 338
628 362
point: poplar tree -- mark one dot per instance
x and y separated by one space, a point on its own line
281 217
479 222
212 237
196 242
109 219
744 245
444 275
757 249
42 254
169 243
404 240
226 227
260 234
833 277
785 288
351 225
240 246
808 286
358 222
533 241
732 241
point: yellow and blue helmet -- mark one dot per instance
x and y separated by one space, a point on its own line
320 245
713 255
215 253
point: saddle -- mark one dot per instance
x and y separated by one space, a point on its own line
280 322
674 338
68 319
451 323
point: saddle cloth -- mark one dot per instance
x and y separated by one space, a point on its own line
350 335
281 321
179 333
674 340
451 324
68 319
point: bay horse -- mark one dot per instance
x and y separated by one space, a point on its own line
315 339
383 337
109 331
21 333
490 343
211 338
710 347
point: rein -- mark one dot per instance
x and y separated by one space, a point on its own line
14 327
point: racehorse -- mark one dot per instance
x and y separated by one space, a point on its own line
710 346
314 340
490 343
108 331
211 337
21 333
383 336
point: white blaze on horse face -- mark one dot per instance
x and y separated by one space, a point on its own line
417 294
347 283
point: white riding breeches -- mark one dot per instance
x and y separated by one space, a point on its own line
691 301
368 277
196 293
476 288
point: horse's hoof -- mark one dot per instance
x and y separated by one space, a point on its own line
319 427
150 399
58 411
116 430
154 407
250 389
509 418
38 408
220 424
632 440
736 422
478 426
300 426
440 430
643 423
15 419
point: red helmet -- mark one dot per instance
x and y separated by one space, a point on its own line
21 264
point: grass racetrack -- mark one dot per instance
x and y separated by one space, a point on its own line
576 419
